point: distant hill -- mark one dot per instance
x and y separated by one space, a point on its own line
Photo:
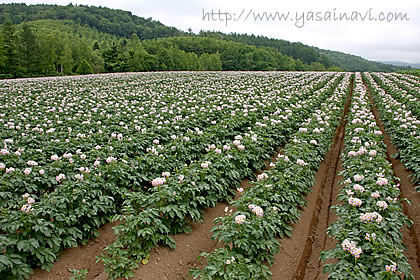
116 22
404 64
52 39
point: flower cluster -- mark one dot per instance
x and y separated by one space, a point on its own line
369 217
355 201
205 164
350 246
257 210
27 207
240 219
301 162
391 268
158 181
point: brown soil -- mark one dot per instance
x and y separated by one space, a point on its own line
411 235
299 255
163 262
82 257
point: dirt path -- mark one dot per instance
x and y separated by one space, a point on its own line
81 257
299 255
411 235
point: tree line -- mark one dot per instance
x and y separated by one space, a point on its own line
54 47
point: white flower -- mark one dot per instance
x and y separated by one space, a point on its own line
54 157
60 177
352 154
110 160
262 176
375 194
313 142
382 205
166 174
67 155
355 201
10 170
382 181
158 181
258 211
2 165
301 162
205 164
42 172
240 190
358 177
32 163
240 219
303 130
27 171
181 178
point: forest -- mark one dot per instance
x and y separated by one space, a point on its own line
39 40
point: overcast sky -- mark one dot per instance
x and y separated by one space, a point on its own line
396 40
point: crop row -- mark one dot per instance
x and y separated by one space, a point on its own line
370 216
178 199
33 234
400 124
405 93
267 209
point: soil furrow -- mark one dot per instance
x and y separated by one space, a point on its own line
299 255
411 235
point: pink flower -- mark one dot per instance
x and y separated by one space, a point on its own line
10 170
382 181
27 171
158 181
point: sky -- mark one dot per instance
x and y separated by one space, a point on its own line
377 29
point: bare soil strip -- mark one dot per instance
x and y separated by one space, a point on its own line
411 235
299 255
81 257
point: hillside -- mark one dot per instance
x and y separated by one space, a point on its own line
50 39
115 22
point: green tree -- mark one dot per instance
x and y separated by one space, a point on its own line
10 48
3 57
84 68
46 54
27 49
210 62
66 59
